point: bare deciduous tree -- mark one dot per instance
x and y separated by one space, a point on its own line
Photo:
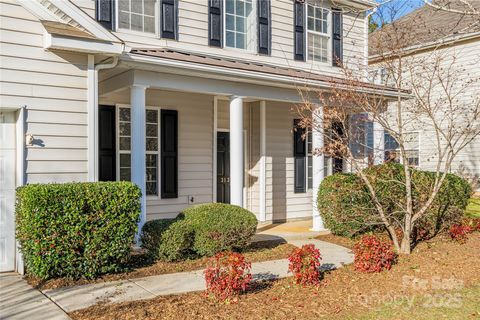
435 92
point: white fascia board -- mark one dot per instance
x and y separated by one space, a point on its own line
38 10
81 45
85 20
358 4
209 71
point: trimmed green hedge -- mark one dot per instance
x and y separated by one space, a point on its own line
346 207
76 230
151 235
345 204
219 227
201 230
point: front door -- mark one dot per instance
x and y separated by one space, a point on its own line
223 167
7 191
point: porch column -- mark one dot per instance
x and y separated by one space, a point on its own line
236 151
378 143
137 102
317 165
263 154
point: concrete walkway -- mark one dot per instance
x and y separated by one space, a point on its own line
74 298
18 300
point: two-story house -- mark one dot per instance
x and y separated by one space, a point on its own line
192 100
448 41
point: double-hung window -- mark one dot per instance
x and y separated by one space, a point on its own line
138 15
411 145
240 24
152 120
318 36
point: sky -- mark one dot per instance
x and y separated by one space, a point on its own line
399 7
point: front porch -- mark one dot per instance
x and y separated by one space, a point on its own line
231 142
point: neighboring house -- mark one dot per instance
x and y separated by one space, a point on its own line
191 100
429 33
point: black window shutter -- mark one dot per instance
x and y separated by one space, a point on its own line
337 32
300 157
264 27
169 18
299 29
169 161
105 13
106 143
215 23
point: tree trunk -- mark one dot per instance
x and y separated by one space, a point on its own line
405 247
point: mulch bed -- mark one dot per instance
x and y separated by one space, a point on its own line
437 263
141 266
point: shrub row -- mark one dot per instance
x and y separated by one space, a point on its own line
76 230
201 230
347 208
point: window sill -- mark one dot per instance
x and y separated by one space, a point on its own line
138 33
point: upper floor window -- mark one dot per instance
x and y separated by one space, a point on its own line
240 24
137 15
318 21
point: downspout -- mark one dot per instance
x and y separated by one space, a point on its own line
94 109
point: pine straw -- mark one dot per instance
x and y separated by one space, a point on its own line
340 294
141 266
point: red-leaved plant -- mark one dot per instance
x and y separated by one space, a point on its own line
227 275
373 254
459 232
305 264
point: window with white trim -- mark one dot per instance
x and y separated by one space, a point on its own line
152 142
137 15
412 148
240 24
318 36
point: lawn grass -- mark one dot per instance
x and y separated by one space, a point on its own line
453 305
473 208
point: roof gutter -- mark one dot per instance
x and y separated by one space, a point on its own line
244 75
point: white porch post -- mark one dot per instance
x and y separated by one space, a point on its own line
317 165
378 143
137 101
236 151
263 148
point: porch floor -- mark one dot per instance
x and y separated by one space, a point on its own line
292 230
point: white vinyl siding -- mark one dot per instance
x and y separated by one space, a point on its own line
193 36
467 162
53 87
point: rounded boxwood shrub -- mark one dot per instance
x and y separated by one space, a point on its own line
346 207
152 234
76 230
220 227
176 243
